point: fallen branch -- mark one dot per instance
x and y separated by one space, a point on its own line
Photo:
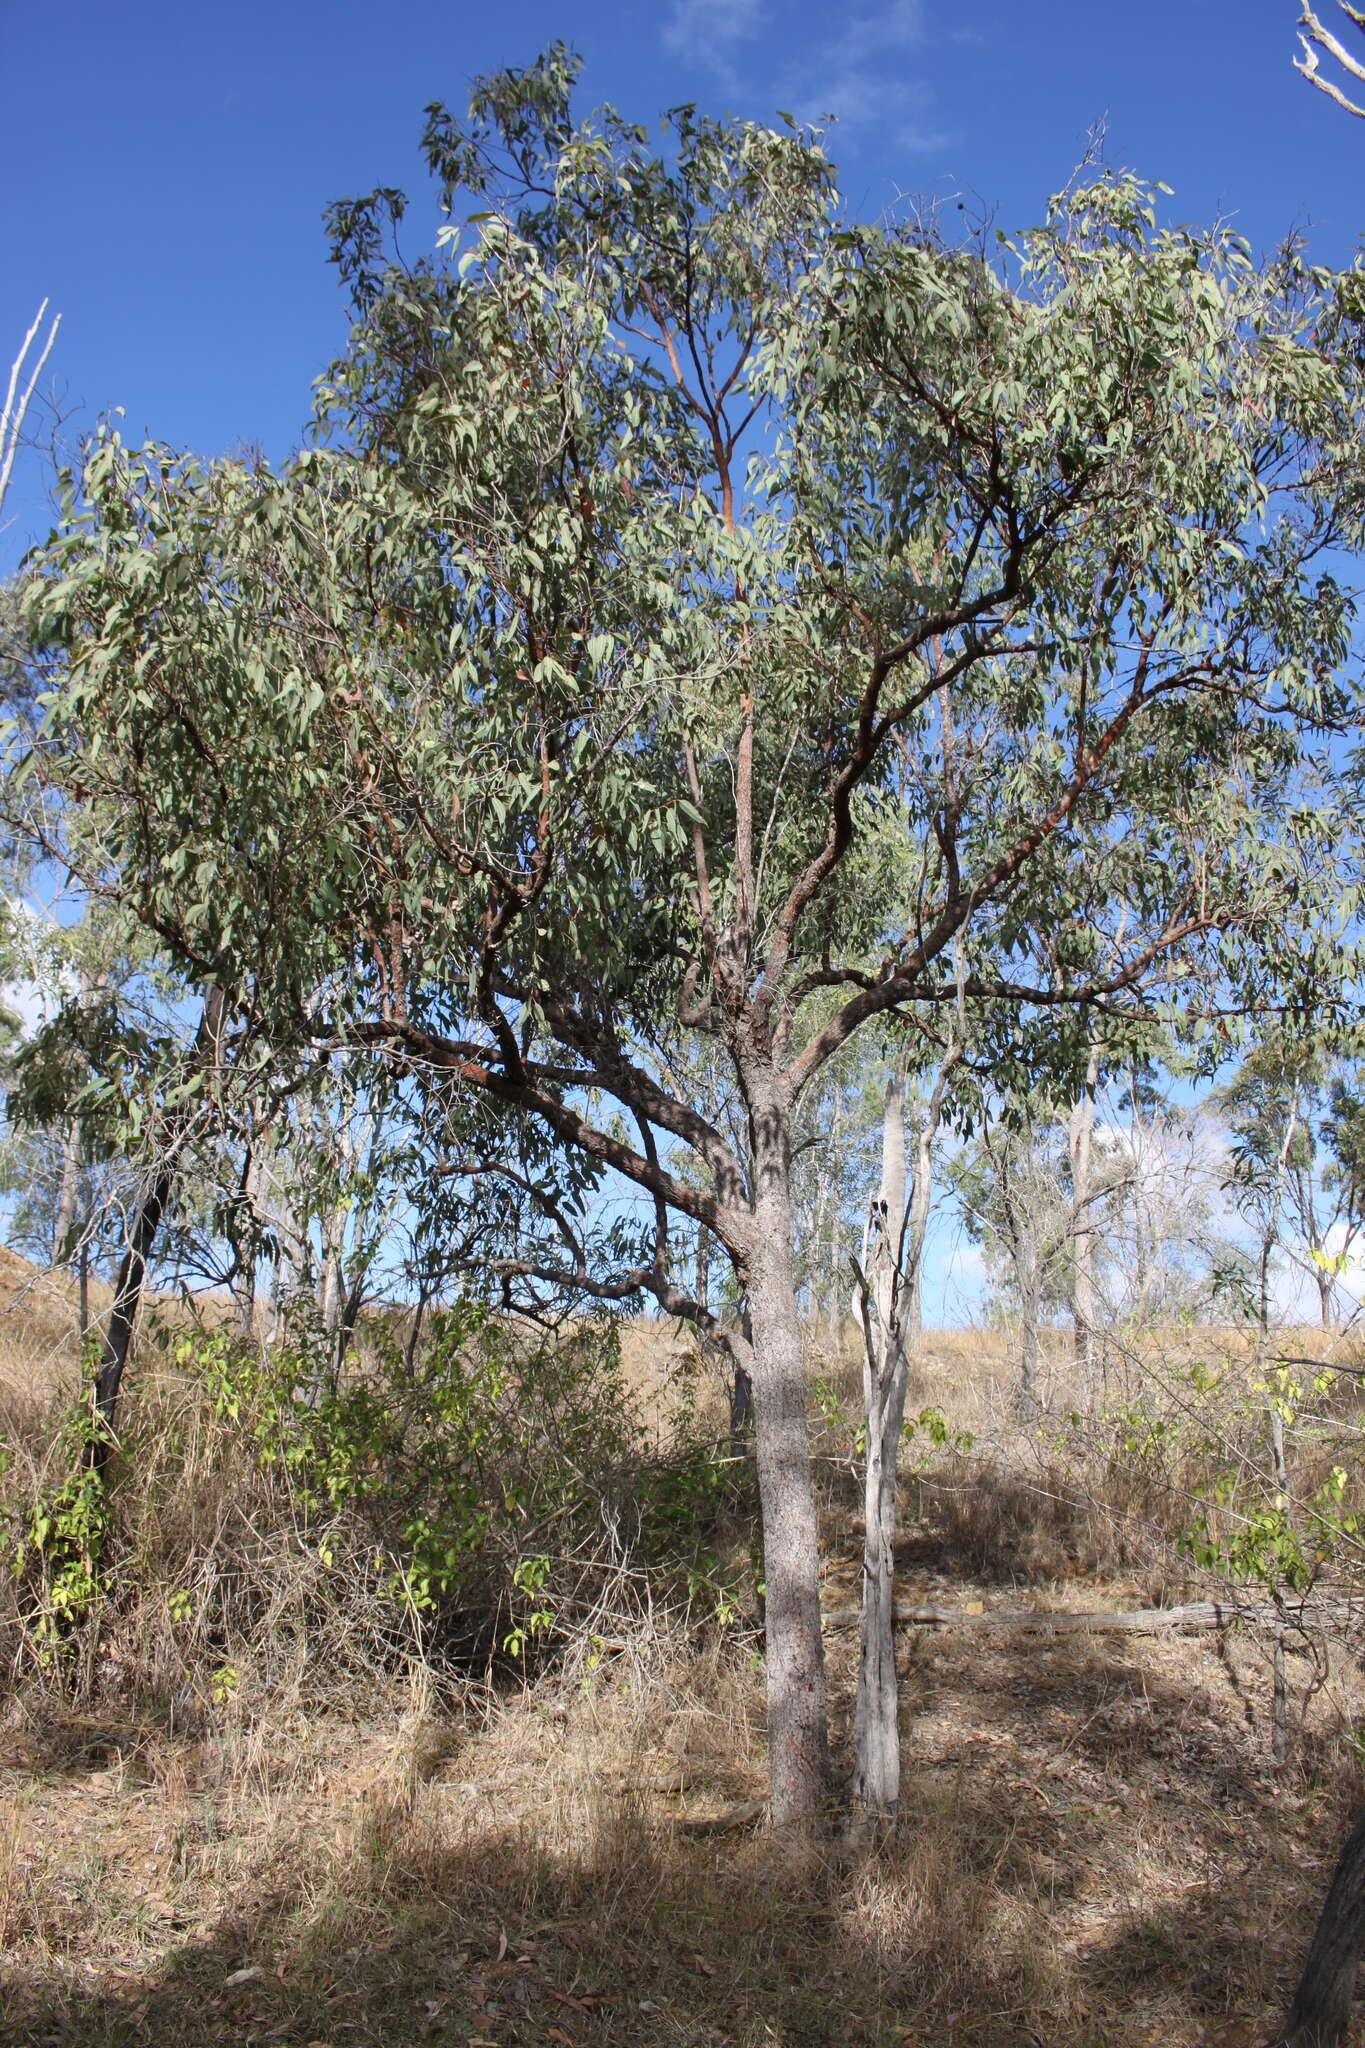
1198 1614
742 1815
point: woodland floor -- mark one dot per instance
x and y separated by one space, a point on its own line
1094 1852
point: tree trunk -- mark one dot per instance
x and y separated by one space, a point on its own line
1321 2011
876 1725
1029 1310
1080 1131
917 1226
798 1732
132 1274
118 1335
1326 1290
63 1228
834 1310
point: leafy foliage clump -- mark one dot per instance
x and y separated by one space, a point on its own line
481 1503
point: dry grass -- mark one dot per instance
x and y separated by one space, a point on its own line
1094 1851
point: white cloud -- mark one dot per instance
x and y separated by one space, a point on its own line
857 75
710 31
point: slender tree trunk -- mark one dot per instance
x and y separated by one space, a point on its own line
1081 1132
415 1329
1326 1290
798 1732
253 1188
818 1298
917 1226
63 1227
876 1727
132 1273
1029 1310
118 1335
1321 2011
834 1298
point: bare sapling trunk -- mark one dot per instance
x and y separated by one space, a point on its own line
741 1393
132 1273
835 1277
798 1728
1326 1281
917 1224
1279 1696
889 1309
882 1299
1080 1132
64 1223
1030 1310
1321 2011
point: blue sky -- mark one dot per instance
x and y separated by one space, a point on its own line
165 166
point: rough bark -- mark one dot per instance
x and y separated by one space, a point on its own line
798 1733
702 1284
1321 2010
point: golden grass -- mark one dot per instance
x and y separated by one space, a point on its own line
1094 1851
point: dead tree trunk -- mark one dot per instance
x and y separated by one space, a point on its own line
876 1731
889 1303
1321 2010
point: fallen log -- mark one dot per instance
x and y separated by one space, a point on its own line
741 1815
1196 1614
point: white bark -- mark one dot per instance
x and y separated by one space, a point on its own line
1320 38
1080 1133
19 394
888 1304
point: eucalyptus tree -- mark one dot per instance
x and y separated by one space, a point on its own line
1291 1112
674 547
